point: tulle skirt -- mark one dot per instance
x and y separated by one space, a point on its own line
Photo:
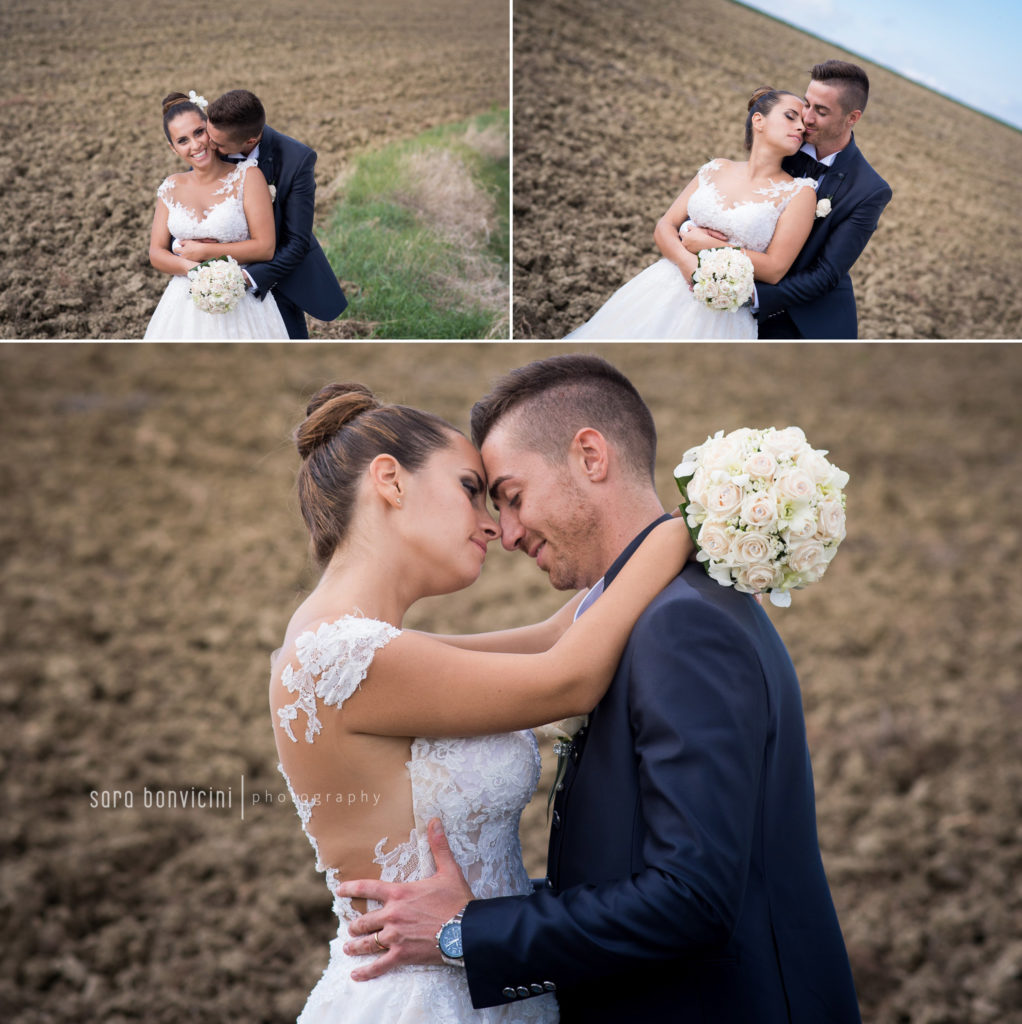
409 995
657 304
178 318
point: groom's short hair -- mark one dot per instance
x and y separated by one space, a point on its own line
238 113
552 399
850 79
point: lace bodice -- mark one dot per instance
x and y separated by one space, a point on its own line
477 786
750 223
225 220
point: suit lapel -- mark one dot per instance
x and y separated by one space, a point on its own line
268 155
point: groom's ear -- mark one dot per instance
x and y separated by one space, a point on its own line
589 449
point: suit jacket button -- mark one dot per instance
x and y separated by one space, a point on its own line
536 988
549 986
509 993
523 991
557 819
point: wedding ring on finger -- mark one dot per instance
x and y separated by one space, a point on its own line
379 945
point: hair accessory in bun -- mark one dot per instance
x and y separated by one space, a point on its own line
199 101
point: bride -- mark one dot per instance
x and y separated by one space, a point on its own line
216 208
755 205
395 503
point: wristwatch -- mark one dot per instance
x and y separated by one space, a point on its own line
448 941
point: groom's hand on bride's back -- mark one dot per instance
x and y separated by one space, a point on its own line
412 913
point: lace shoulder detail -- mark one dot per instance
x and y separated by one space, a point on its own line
234 183
166 189
332 662
785 190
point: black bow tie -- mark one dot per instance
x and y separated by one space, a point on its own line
808 166
234 159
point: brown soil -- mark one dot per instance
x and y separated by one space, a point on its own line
83 149
152 554
617 105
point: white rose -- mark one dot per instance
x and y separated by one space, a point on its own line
785 443
273 193
759 509
831 520
760 464
724 499
796 485
752 547
714 540
806 556
823 207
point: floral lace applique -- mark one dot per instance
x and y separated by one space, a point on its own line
333 661
224 221
748 222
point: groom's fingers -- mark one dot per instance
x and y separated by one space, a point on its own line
441 848
365 889
366 924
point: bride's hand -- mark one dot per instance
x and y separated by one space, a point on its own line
194 249
696 239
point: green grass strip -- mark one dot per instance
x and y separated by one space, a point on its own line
421 234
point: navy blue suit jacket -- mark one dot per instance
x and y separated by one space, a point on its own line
817 291
685 879
299 273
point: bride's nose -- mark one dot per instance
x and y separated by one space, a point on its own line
490 530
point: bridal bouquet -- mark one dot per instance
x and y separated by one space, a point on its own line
765 510
723 279
217 284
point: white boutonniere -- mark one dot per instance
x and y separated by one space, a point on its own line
563 733
273 193
823 207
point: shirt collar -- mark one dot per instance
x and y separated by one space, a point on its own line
827 161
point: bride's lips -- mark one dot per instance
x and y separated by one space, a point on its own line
480 544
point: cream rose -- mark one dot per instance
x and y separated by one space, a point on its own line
724 499
752 547
759 509
806 556
815 465
714 540
720 453
761 464
757 578
785 443
831 520
796 485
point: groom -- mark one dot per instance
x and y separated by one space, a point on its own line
299 274
815 298
684 876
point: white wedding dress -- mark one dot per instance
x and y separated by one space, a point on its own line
476 786
658 304
177 317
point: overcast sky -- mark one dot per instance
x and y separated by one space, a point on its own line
970 51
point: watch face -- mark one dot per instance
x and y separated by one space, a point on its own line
450 940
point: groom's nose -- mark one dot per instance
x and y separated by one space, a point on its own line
511 531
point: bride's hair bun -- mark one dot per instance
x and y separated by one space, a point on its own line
345 428
330 409
175 103
763 90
